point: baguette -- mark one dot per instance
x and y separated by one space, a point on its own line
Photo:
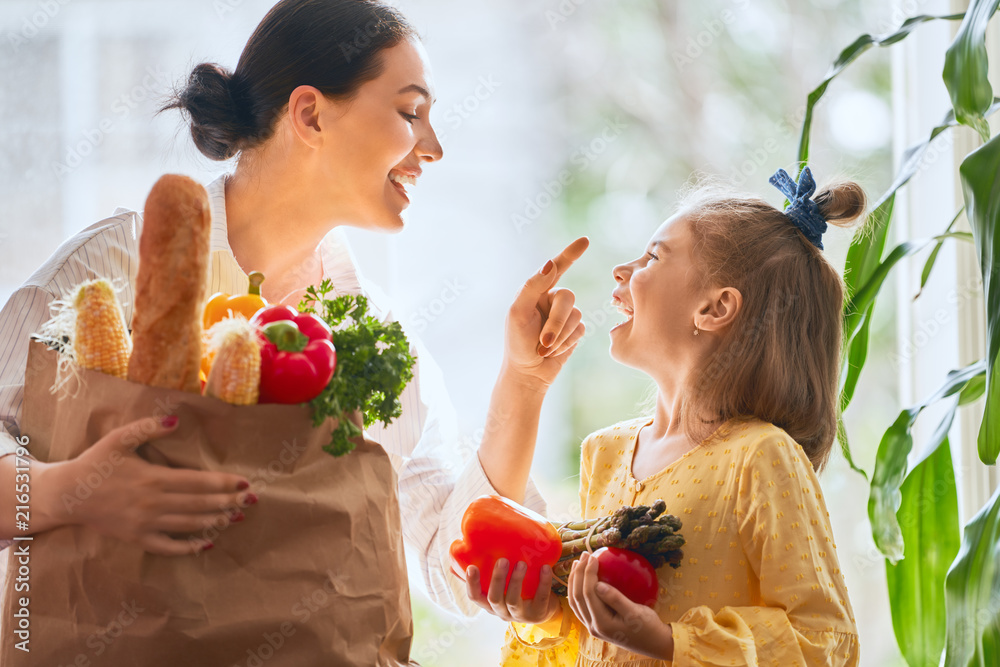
171 285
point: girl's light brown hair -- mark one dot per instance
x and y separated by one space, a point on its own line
779 360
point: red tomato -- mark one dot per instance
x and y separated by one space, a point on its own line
629 572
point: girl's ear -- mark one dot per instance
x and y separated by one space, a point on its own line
305 105
721 310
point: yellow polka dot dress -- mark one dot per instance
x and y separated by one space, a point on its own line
760 583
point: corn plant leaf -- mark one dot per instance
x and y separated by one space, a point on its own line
849 55
891 461
980 174
972 593
928 518
932 258
965 68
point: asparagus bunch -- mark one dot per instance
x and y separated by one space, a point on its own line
643 529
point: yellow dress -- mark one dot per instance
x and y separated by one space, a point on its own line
760 583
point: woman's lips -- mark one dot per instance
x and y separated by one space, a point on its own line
400 189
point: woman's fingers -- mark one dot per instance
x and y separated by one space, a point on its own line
559 314
513 596
192 523
570 343
568 328
129 436
542 281
589 585
157 543
188 503
181 480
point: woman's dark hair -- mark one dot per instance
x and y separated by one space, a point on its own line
333 45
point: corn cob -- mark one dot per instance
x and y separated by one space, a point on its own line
235 374
101 341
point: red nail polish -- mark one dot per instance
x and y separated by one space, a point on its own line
236 517
169 421
250 498
242 485
207 546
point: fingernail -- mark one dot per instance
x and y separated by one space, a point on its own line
207 546
602 587
548 338
242 485
237 516
168 421
548 267
249 499
521 567
503 562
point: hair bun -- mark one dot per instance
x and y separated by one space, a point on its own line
841 202
218 119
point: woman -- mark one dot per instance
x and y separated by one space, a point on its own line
327 110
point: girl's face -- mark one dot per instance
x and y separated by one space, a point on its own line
660 298
377 141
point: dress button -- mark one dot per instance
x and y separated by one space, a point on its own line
638 486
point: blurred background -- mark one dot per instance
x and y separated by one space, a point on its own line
558 118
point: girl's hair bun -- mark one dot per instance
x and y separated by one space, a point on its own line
218 121
841 202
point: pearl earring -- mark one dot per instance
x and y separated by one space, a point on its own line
696 331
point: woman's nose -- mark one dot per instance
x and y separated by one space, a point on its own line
429 148
621 273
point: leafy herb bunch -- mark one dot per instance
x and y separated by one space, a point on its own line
374 365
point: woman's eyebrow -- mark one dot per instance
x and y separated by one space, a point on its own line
661 244
418 89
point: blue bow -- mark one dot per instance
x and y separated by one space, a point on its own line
802 210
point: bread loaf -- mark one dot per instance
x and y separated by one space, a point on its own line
171 285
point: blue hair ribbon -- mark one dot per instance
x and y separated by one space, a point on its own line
802 210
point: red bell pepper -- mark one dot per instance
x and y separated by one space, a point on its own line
495 528
297 356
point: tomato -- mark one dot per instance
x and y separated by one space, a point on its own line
629 572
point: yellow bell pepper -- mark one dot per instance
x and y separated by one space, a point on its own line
221 305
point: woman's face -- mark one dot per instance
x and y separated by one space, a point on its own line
379 140
658 294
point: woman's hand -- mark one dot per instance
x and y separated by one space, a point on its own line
609 615
112 490
543 326
510 607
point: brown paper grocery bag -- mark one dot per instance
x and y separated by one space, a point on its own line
315 575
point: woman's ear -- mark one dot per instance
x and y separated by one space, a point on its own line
305 106
721 310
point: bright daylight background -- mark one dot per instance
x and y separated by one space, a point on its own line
626 98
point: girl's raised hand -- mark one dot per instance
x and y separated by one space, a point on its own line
511 607
607 614
543 325
117 493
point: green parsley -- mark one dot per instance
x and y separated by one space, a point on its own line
374 365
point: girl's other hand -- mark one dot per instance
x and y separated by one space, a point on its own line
609 615
510 607
543 325
113 490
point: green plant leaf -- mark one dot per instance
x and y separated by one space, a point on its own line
932 258
980 174
972 593
849 55
845 447
965 68
891 460
928 518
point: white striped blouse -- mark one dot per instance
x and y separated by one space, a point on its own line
435 484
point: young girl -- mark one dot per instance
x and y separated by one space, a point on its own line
736 315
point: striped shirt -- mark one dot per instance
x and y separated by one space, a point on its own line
435 483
